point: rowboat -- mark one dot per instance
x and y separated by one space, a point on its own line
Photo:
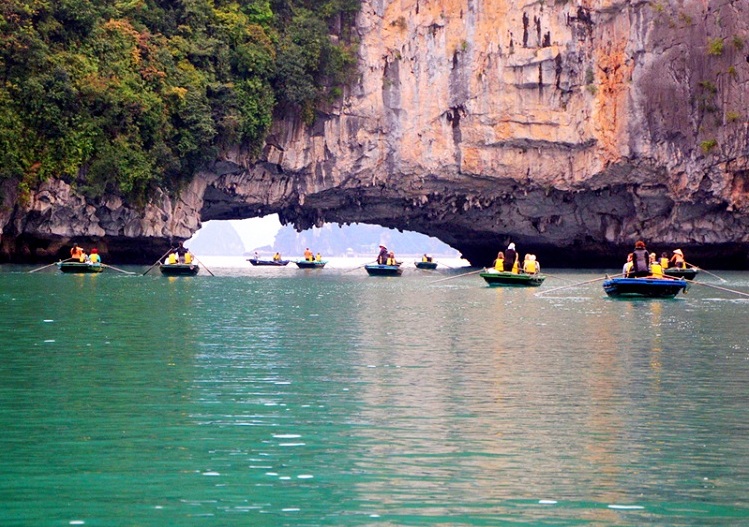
313 264
508 279
646 287
426 265
179 269
80 267
277 263
383 270
685 273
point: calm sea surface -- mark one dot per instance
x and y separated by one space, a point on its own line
269 397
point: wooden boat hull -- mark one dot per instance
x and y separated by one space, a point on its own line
306 264
426 265
643 287
686 274
383 270
271 263
507 279
179 269
80 267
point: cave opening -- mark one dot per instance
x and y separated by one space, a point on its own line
266 235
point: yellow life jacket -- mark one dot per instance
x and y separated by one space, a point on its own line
188 258
499 265
172 258
529 266
95 258
515 267
656 270
664 263
391 261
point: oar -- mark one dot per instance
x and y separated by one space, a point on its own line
355 268
577 284
555 276
50 265
708 272
157 261
117 268
201 263
458 276
718 287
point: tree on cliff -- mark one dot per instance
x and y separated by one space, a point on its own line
125 95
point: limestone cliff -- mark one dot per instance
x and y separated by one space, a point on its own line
561 125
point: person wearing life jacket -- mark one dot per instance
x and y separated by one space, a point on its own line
77 253
318 257
640 260
664 260
94 256
678 259
308 255
499 263
171 259
391 259
188 257
530 265
656 270
627 269
511 258
277 257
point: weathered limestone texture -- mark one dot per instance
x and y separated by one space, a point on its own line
570 127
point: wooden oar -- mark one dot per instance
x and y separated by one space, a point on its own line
204 267
708 272
117 268
458 276
579 283
555 276
50 265
157 261
355 268
718 287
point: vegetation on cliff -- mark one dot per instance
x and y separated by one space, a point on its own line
125 95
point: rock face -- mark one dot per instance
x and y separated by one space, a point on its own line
572 128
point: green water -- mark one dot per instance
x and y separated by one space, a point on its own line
334 398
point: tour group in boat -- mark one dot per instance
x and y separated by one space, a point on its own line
311 260
507 271
276 261
645 275
179 262
386 264
81 262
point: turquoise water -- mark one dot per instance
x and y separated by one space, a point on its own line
291 397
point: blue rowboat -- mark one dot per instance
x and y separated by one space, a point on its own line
311 264
383 270
276 263
646 287
426 265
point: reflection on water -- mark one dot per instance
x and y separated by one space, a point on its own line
338 398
